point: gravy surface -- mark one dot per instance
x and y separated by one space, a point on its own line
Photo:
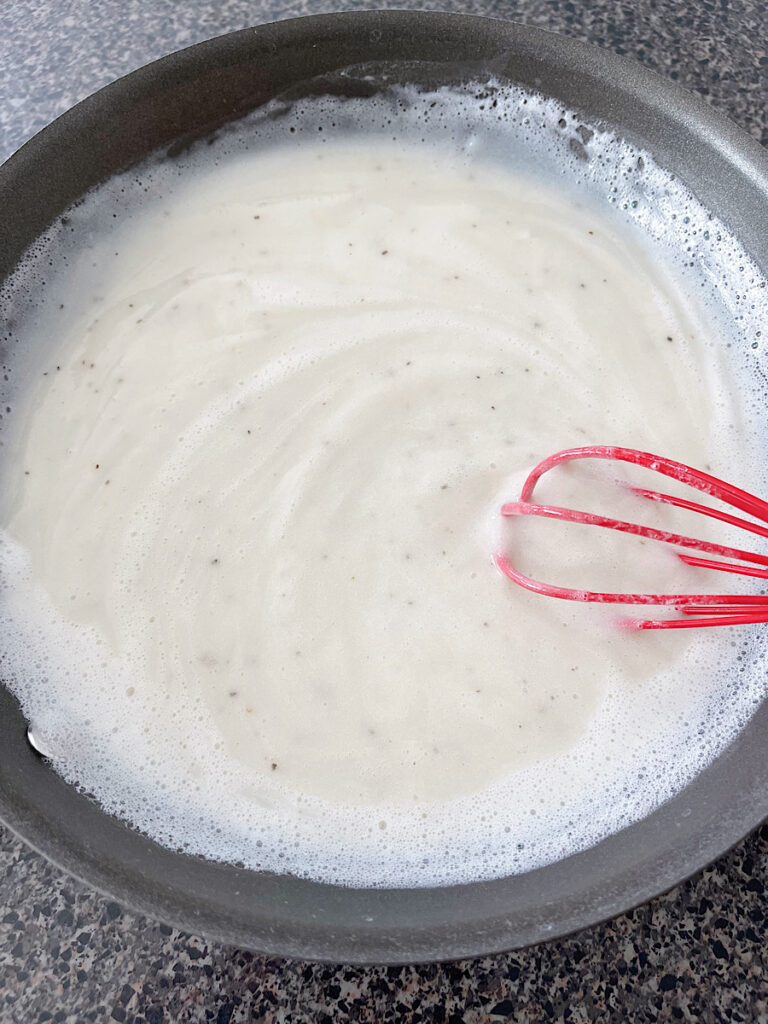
265 468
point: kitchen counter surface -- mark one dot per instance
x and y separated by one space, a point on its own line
70 955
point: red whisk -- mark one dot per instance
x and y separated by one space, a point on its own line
692 609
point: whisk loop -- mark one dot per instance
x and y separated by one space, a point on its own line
694 610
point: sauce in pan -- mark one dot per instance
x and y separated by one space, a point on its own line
255 500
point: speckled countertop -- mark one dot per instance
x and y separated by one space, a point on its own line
68 955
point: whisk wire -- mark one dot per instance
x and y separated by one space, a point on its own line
695 610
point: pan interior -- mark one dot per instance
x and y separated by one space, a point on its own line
644 195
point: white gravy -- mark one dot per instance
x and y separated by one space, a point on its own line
260 480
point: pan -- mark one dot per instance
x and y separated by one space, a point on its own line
184 97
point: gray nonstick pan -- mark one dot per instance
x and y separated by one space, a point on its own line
184 97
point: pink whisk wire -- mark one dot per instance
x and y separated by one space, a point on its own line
694 610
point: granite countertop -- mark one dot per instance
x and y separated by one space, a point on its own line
67 954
